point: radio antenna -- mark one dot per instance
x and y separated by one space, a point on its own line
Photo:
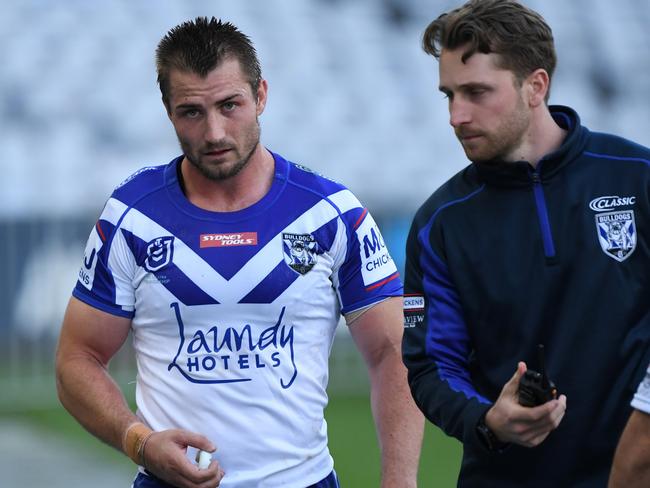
542 367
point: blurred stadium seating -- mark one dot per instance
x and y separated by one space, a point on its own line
351 95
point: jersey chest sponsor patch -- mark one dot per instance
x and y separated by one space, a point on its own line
222 353
617 233
228 240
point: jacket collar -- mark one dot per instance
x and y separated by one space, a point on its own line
520 173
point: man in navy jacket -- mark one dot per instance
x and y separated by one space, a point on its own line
543 239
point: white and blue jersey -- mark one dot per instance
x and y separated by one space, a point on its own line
233 314
641 399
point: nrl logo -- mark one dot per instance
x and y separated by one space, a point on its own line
299 251
617 233
160 252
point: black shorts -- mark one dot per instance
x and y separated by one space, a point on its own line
149 481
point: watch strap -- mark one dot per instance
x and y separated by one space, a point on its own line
488 438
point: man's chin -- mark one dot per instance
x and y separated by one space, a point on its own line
474 156
480 156
222 173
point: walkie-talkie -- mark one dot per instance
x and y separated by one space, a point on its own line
535 388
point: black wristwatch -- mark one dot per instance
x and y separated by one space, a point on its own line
488 438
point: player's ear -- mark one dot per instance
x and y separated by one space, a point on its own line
262 92
536 86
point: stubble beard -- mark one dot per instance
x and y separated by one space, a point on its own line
224 171
502 143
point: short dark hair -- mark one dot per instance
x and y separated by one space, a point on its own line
520 36
199 46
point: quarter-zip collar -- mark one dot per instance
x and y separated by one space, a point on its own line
518 173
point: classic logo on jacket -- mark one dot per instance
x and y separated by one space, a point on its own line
610 202
160 252
616 229
299 251
617 233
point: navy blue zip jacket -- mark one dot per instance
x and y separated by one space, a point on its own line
503 257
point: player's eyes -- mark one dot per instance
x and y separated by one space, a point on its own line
191 113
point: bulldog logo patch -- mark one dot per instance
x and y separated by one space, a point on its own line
300 251
617 233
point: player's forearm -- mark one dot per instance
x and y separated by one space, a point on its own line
631 467
399 422
91 396
632 472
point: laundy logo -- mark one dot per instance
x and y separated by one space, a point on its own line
219 353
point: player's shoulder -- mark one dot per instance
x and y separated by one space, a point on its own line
460 188
304 179
302 175
142 182
611 146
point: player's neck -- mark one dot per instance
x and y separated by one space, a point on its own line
545 137
232 194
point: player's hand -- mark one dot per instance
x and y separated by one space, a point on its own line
526 426
165 456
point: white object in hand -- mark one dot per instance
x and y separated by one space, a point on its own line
204 458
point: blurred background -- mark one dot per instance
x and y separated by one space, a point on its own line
351 95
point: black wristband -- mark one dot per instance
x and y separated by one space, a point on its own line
488 438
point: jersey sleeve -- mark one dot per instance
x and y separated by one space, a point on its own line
364 272
106 275
641 400
436 345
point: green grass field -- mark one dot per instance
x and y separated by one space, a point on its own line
356 455
352 443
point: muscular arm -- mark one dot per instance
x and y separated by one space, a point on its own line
89 339
378 334
631 468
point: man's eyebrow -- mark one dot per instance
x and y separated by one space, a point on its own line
198 105
229 98
465 86
186 105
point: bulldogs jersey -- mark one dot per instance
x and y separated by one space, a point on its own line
233 314
641 400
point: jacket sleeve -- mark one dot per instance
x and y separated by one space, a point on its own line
436 345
